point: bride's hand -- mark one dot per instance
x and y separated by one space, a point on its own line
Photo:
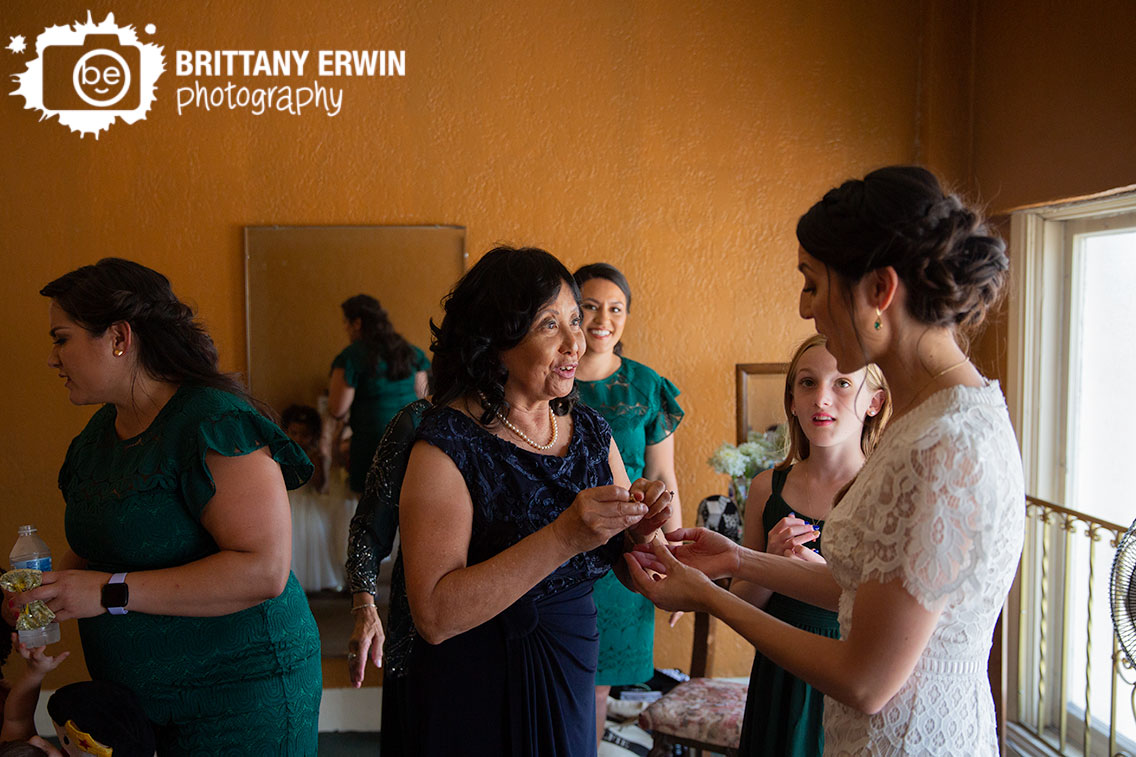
708 551
678 588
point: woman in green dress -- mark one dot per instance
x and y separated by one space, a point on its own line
377 375
178 525
641 408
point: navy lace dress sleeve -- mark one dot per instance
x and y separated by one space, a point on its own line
522 682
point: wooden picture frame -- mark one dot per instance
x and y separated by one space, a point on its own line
760 391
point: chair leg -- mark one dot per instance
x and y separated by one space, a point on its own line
660 746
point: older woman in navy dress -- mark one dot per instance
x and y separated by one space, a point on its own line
515 501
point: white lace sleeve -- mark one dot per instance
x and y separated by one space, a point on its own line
940 506
937 499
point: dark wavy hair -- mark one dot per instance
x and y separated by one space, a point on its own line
379 337
953 267
305 415
173 345
20 749
490 310
109 712
612 274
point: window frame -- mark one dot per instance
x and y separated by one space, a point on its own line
1044 257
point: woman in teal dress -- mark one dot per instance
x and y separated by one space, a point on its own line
178 525
377 375
834 420
641 408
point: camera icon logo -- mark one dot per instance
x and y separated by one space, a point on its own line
99 73
90 75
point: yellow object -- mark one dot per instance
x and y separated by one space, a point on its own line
22 579
86 742
34 614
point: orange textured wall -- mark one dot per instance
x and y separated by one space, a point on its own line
677 140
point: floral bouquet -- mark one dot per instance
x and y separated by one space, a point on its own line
744 461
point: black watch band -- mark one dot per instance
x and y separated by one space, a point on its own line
116 594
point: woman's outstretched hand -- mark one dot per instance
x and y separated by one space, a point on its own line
705 550
675 586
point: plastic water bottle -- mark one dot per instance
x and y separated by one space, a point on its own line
32 553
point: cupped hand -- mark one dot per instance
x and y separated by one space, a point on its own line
707 551
596 515
654 494
676 587
69 593
366 642
790 533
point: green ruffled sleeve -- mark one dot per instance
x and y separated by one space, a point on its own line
233 428
421 362
348 360
667 412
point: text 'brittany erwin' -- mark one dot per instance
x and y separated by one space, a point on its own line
289 62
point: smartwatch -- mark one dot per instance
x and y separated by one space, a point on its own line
116 594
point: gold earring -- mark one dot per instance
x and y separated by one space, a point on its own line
877 324
119 352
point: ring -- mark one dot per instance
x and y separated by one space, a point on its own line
352 655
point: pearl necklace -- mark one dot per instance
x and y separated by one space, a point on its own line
524 436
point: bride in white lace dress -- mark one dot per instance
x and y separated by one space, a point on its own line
923 546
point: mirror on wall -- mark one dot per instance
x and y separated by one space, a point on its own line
295 278
760 397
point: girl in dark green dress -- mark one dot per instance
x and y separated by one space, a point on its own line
643 412
834 420
377 375
178 525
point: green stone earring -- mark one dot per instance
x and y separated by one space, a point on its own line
877 323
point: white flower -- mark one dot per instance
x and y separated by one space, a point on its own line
752 450
760 451
727 459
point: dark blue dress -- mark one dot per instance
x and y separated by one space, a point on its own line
521 683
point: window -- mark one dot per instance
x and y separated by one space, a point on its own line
1072 357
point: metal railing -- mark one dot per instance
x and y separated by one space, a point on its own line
1054 556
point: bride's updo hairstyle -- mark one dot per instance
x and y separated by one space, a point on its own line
953 268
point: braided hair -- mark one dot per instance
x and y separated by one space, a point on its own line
953 267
